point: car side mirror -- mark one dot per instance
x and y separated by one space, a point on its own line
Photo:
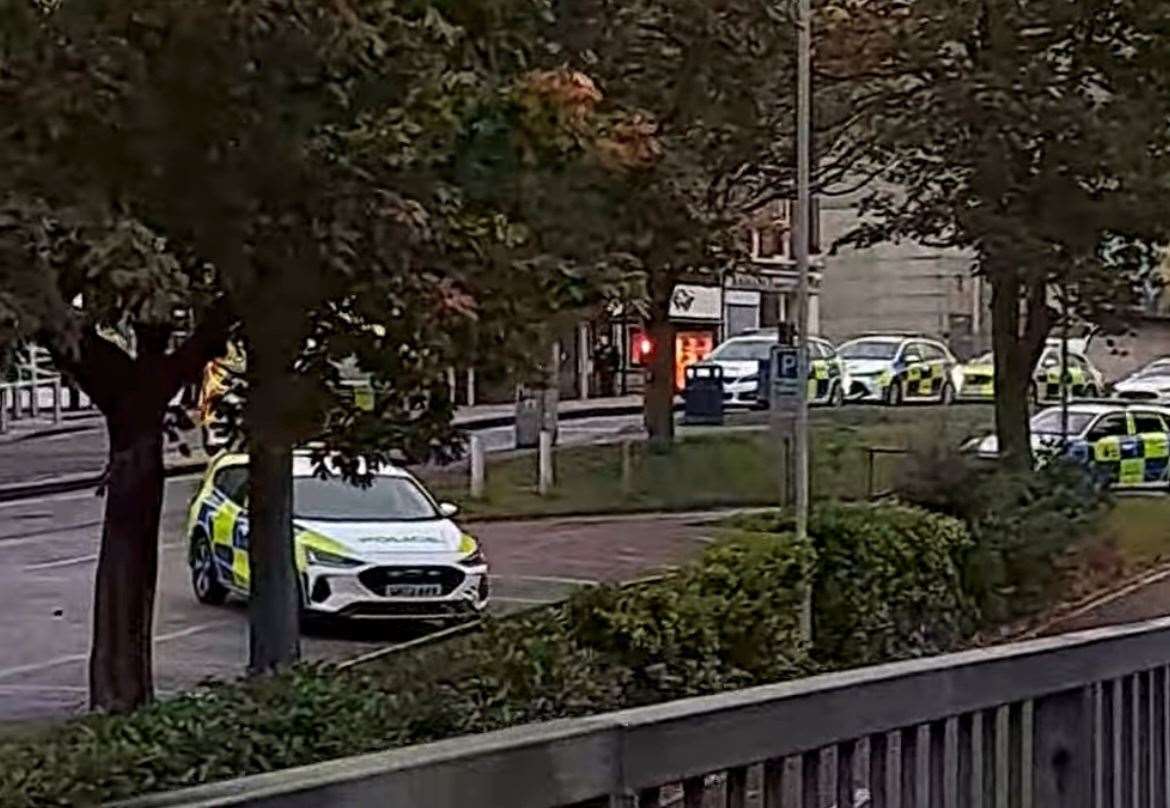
448 509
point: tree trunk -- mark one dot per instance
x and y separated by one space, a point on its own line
1013 373
658 402
133 394
120 666
274 608
275 601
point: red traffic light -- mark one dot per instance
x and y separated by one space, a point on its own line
641 348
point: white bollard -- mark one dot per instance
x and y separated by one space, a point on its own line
478 471
545 462
627 467
57 400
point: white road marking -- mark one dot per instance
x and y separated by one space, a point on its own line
33 667
63 497
43 689
547 579
64 562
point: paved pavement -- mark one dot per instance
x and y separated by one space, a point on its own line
1145 603
48 551
37 451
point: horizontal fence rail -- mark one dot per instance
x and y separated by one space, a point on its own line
1066 722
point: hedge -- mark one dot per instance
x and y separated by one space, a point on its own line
728 620
1024 524
887 583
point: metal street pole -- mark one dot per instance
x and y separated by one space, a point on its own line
801 246
1064 368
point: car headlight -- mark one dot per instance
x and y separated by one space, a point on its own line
324 558
471 552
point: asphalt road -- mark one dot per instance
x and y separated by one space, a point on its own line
79 446
47 558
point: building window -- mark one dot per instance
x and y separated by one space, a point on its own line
771 231
741 319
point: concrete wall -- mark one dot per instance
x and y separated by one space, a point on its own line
1151 340
894 287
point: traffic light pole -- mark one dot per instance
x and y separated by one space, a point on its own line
801 248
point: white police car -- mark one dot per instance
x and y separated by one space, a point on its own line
1149 383
740 358
386 550
1124 445
899 368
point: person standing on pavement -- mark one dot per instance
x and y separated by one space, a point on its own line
607 362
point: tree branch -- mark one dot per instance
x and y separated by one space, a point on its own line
101 369
206 343
1039 320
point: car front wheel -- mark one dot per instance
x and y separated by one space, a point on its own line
204 576
894 394
837 397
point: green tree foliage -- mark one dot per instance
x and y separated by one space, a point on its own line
692 97
1032 135
306 154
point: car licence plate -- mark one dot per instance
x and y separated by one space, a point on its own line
413 590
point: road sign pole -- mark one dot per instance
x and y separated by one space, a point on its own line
801 249
1064 368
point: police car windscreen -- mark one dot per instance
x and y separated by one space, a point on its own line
387 499
1048 423
869 350
746 351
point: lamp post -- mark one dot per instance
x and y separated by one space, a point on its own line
801 248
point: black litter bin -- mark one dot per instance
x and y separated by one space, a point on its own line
703 395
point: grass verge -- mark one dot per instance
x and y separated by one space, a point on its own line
711 468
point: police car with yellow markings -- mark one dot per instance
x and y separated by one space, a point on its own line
975 380
741 357
383 550
899 368
1123 445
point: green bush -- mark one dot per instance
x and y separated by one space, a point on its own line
887 584
887 581
727 620
1024 524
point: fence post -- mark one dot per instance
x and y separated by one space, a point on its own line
869 471
34 385
1063 749
545 462
57 400
3 409
477 467
16 400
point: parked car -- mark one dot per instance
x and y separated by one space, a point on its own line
387 549
1150 382
1145 388
1124 445
975 380
740 358
899 368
